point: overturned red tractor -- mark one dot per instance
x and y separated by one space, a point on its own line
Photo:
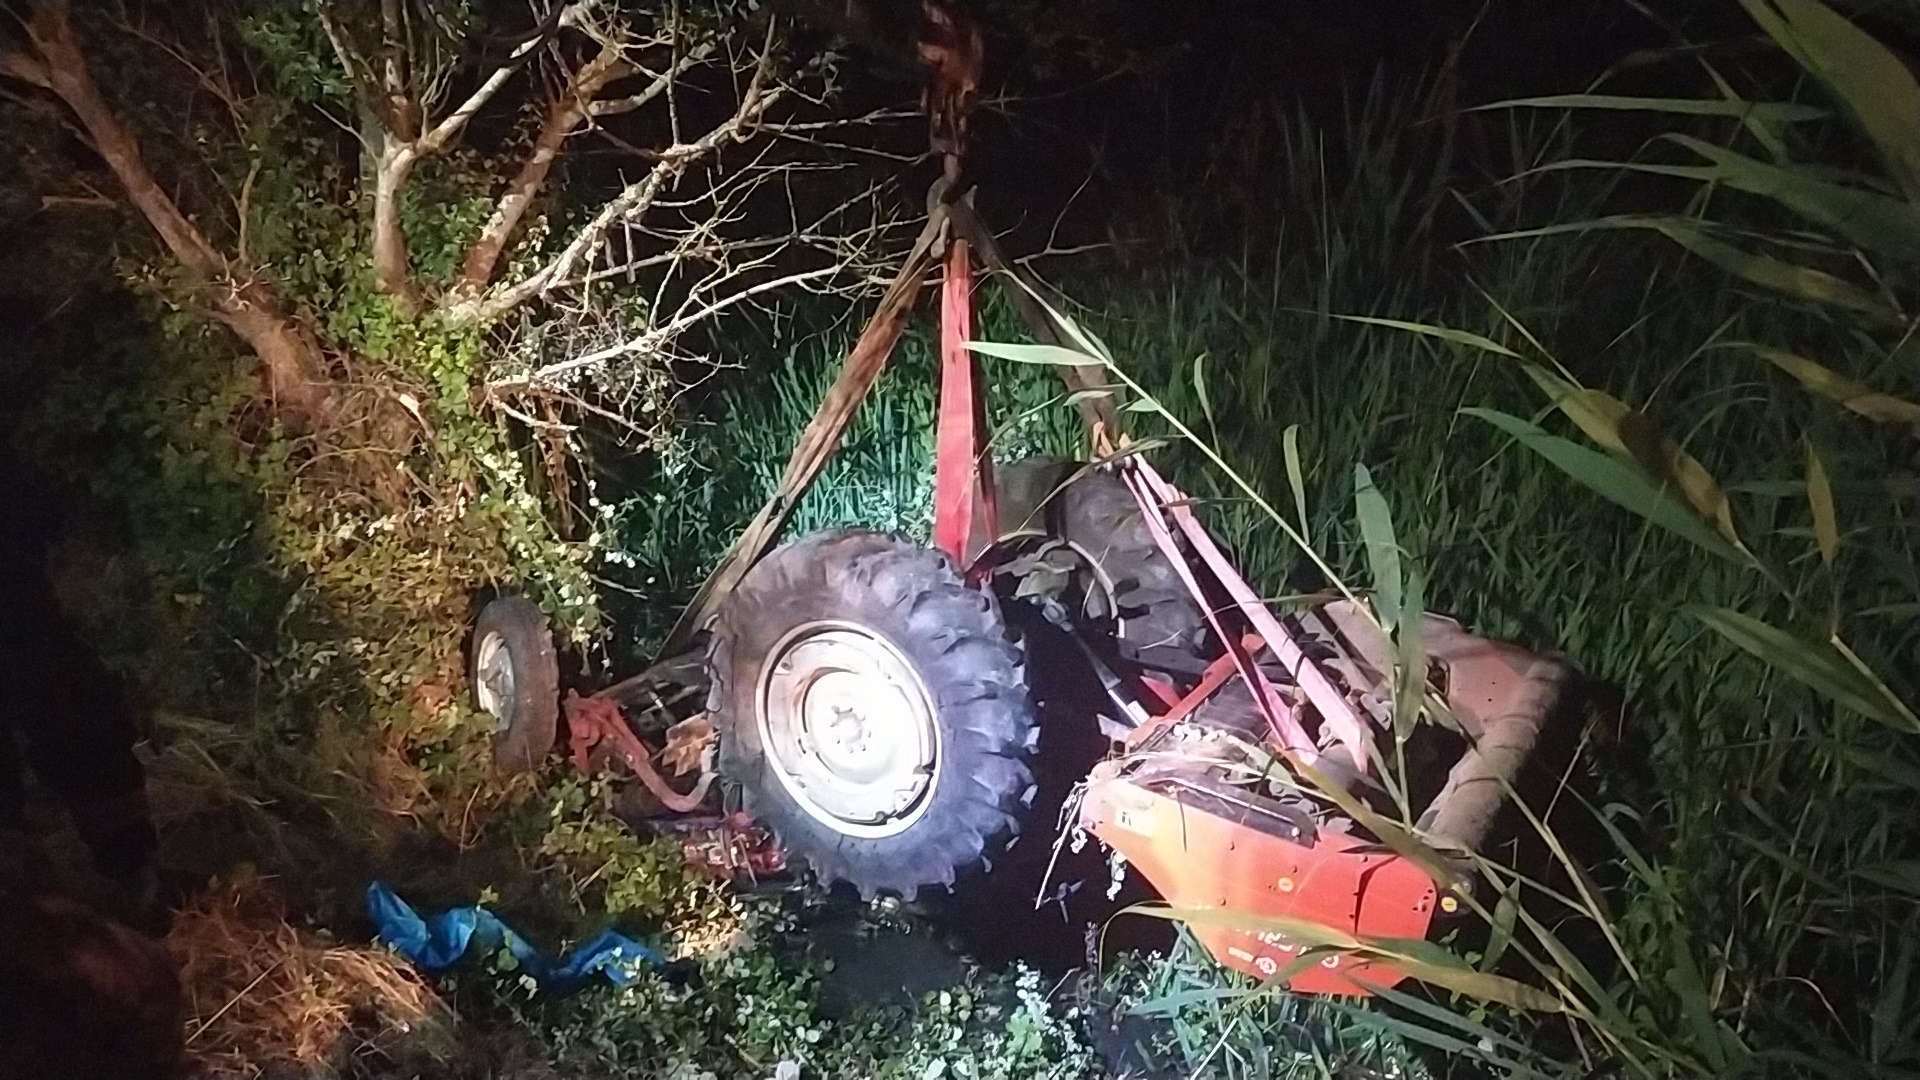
862 699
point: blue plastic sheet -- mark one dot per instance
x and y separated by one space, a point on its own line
437 943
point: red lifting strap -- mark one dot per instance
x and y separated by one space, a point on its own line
962 466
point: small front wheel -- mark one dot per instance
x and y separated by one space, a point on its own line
873 710
516 680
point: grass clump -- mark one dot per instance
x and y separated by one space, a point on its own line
266 996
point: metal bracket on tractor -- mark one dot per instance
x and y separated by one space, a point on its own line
1245 779
728 847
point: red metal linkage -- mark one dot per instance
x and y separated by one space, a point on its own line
1157 497
1280 716
1179 708
596 719
1162 690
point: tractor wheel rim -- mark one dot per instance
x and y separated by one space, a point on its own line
849 729
493 680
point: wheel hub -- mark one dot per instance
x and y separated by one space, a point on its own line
849 729
493 680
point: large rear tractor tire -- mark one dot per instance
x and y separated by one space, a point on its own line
1094 514
515 675
872 710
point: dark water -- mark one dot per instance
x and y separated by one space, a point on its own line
997 913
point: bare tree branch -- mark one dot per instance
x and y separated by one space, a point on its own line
77 202
563 118
28 69
708 272
661 82
442 134
401 112
655 340
351 62
215 81
632 203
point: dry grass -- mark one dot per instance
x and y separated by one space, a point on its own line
395 783
183 766
265 996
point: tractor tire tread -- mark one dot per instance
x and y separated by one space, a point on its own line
952 636
1098 515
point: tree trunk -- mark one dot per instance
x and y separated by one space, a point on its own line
477 269
391 267
293 366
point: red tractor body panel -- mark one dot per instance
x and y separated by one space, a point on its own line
1207 855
